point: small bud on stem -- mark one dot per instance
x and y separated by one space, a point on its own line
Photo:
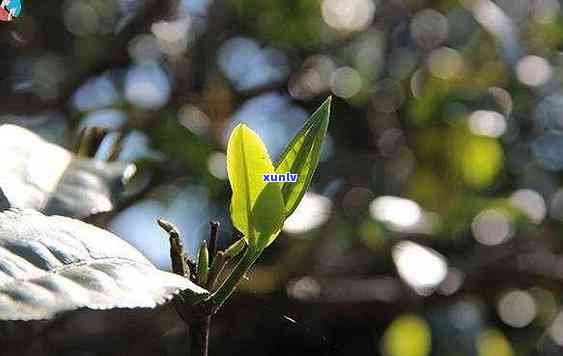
203 265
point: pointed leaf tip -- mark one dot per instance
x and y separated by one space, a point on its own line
301 156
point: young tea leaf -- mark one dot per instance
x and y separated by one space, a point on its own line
257 208
301 156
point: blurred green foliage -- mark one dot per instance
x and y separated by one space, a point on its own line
446 131
299 19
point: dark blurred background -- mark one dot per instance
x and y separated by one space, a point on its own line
434 222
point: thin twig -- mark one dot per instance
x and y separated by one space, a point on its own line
177 254
213 238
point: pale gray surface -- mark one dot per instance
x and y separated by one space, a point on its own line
42 176
54 264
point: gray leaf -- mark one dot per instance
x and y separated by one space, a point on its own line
50 265
42 176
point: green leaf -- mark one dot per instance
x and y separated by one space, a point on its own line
53 264
301 156
257 208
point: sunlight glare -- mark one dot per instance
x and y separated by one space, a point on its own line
313 211
350 15
487 123
420 267
400 212
41 164
533 71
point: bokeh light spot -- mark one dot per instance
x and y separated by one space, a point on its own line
349 15
420 267
217 165
556 329
81 18
346 82
487 123
194 119
533 71
517 308
313 78
429 28
492 342
445 63
530 203
248 66
147 86
400 212
481 160
313 211
305 288
491 227
408 335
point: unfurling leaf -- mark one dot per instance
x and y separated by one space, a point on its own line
42 176
301 156
50 265
257 208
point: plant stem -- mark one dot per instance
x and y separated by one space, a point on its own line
213 239
218 298
177 254
199 336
